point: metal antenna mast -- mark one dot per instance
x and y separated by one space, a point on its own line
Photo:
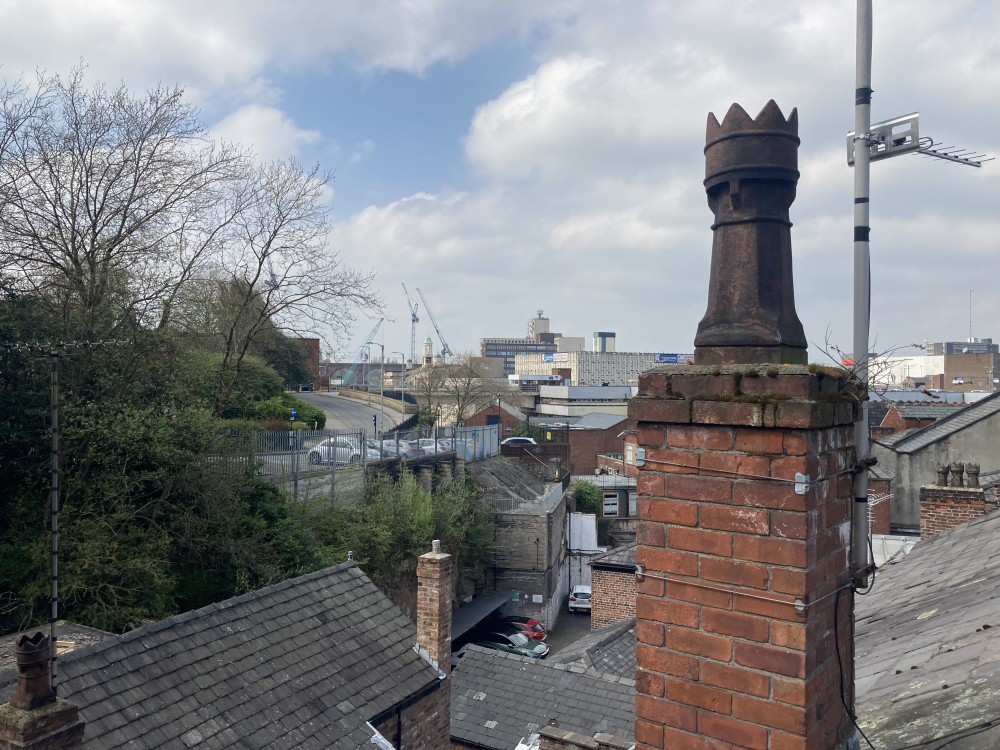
867 143
52 350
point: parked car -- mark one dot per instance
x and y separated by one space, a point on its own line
518 441
430 446
402 449
527 625
579 599
341 450
512 641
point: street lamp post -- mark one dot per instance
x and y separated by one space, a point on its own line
381 390
402 382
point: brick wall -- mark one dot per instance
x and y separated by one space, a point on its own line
880 512
586 444
735 612
426 725
507 420
943 508
612 596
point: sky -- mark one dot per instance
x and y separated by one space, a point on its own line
510 156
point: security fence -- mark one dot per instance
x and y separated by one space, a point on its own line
312 463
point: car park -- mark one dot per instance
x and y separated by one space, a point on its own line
518 441
579 599
430 447
527 625
392 448
512 641
341 450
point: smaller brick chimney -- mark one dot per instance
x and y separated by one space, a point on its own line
943 508
35 719
434 598
434 595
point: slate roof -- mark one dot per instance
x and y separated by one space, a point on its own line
928 643
607 652
619 558
66 632
877 409
499 698
927 411
301 664
943 428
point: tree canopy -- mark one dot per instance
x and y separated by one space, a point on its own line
121 219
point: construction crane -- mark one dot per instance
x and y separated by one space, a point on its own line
413 324
445 350
361 352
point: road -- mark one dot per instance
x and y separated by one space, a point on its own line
347 413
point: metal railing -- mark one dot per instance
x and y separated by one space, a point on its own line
330 462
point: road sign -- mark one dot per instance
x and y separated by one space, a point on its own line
293 415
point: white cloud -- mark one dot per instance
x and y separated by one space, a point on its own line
592 206
269 131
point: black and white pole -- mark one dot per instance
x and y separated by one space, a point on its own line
54 511
862 269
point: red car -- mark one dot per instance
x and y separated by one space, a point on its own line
527 625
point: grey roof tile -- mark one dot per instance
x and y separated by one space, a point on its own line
619 557
943 428
521 694
260 670
927 651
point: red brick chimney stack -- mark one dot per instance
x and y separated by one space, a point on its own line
741 567
34 719
434 600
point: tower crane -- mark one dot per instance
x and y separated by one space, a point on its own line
445 350
413 324
361 351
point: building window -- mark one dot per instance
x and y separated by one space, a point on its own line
610 504
630 454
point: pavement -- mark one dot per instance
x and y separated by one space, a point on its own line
569 628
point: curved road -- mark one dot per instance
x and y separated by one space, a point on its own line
348 413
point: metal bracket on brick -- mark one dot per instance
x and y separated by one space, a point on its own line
802 483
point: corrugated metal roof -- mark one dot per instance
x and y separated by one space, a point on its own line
598 420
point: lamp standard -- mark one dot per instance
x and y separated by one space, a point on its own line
402 381
381 390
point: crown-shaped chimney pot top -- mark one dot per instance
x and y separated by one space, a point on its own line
737 120
751 170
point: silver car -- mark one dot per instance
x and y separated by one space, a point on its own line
341 450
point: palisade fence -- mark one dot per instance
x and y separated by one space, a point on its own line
333 463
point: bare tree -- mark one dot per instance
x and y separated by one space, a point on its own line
464 388
278 270
125 211
107 200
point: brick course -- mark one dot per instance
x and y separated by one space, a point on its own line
613 596
943 508
730 652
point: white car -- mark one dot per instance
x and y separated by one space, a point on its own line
518 441
579 599
341 450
